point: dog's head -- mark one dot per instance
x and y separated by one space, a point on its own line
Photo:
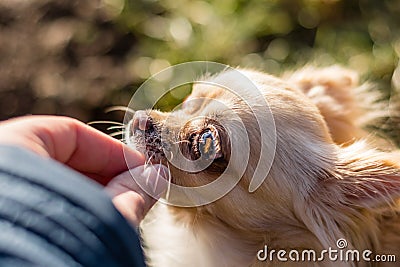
309 174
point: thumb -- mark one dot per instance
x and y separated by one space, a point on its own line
135 191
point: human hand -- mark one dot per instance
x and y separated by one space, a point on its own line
91 153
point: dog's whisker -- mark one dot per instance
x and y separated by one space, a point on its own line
116 127
168 167
148 179
106 122
119 108
148 161
169 184
181 141
117 133
158 177
153 154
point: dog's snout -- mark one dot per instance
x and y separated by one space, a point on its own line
142 121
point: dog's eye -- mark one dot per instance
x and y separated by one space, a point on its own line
208 144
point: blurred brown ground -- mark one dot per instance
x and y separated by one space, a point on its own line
60 57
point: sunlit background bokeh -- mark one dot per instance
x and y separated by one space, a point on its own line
78 57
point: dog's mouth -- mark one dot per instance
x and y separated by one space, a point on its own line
196 140
145 137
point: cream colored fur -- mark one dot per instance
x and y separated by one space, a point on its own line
327 181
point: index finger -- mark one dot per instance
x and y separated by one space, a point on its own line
73 143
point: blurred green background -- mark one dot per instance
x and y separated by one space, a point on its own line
78 57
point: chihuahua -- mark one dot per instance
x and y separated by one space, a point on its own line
325 180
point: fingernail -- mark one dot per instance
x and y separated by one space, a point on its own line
156 178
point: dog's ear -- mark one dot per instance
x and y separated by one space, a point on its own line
335 80
347 198
336 92
366 178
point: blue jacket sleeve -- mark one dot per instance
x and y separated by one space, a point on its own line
51 215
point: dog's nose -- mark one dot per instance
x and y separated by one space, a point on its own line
141 121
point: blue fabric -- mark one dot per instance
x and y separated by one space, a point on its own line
51 215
